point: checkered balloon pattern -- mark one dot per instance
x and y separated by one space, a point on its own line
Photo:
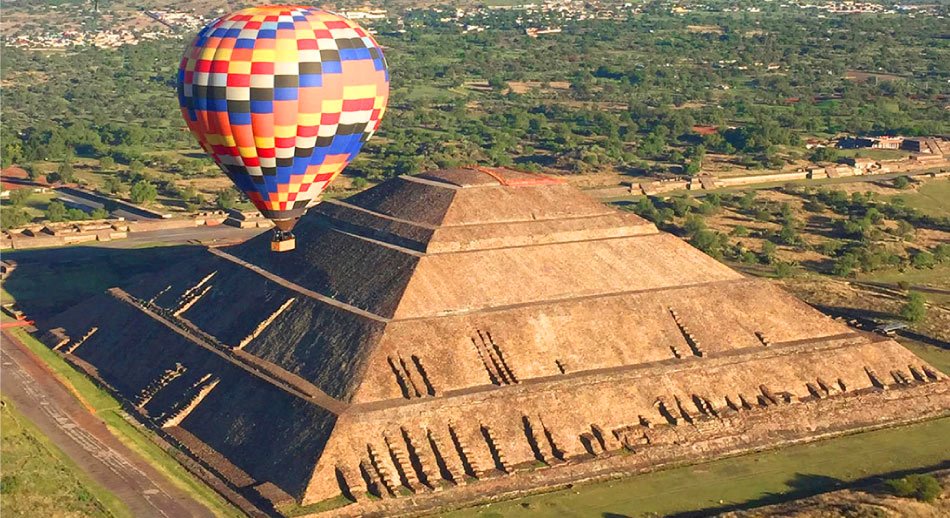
283 98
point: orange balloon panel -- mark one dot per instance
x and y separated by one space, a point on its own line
283 98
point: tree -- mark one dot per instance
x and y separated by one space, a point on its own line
901 182
113 184
13 217
747 201
824 154
136 167
143 191
681 206
707 241
76 215
107 163
845 265
788 235
18 197
64 173
694 223
226 199
768 252
358 183
916 307
56 211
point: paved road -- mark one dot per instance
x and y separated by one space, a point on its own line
90 205
86 440
218 234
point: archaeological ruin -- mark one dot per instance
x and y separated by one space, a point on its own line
470 334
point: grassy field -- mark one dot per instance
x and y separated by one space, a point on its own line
756 479
40 480
37 203
938 276
109 410
876 154
932 198
939 358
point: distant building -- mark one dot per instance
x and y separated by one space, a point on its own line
870 142
863 164
534 32
936 146
705 130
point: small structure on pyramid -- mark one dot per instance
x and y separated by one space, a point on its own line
477 333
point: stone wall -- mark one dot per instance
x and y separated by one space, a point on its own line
650 446
579 416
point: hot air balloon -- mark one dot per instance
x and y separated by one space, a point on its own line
283 98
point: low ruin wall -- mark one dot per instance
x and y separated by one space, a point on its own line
704 437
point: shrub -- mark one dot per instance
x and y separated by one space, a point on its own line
916 308
942 252
923 259
226 199
783 269
845 265
143 191
768 252
694 224
925 488
56 211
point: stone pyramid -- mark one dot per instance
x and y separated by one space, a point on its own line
475 333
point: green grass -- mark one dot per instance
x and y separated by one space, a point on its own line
757 478
938 276
876 154
939 358
931 198
319 507
109 410
40 480
37 203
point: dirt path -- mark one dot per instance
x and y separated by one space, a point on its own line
86 440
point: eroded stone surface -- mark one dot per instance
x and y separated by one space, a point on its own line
478 332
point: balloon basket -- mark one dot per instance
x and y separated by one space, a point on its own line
283 241
284 245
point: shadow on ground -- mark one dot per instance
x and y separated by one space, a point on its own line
49 281
804 485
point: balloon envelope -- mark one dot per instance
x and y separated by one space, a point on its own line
283 98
